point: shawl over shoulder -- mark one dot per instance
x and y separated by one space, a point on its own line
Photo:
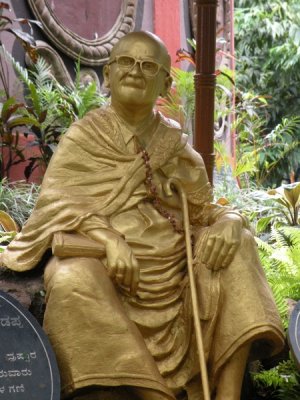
91 174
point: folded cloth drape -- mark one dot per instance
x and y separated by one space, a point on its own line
101 334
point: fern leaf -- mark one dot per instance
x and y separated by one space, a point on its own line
22 72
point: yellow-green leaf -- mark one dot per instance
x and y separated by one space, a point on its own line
7 223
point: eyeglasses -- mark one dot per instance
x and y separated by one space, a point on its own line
148 68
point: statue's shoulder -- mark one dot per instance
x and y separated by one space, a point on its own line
170 123
95 116
174 132
94 124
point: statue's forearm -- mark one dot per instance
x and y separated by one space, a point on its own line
97 228
103 235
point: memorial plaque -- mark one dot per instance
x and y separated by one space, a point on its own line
294 334
28 369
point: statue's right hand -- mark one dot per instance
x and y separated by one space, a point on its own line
122 266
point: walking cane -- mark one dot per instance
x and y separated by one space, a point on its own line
175 183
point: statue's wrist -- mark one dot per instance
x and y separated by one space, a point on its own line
233 216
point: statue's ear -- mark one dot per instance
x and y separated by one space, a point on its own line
167 85
106 74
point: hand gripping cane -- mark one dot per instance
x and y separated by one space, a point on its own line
175 183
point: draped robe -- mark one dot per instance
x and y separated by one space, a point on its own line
103 335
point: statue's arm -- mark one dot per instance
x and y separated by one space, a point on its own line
219 228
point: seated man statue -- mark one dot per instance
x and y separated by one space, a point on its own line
121 324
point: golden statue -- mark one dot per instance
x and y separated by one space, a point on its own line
118 313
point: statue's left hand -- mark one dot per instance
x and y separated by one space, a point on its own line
219 242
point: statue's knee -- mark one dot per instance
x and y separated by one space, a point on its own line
66 275
247 239
246 255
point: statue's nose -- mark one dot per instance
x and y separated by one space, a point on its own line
136 69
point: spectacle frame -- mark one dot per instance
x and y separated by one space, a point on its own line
148 67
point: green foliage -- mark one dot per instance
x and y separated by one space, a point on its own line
288 197
26 39
266 154
241 199
276 207
18 199
5 238
48 111
280 258
282 381
267 37
223 101
8 229
16 204
262 159
274 155
179 104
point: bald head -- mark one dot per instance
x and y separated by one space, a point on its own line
161 53
138 72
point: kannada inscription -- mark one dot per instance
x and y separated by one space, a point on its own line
28 368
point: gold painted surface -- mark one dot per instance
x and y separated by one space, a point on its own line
125 319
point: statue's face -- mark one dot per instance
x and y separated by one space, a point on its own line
131 74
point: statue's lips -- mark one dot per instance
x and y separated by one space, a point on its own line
136 84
